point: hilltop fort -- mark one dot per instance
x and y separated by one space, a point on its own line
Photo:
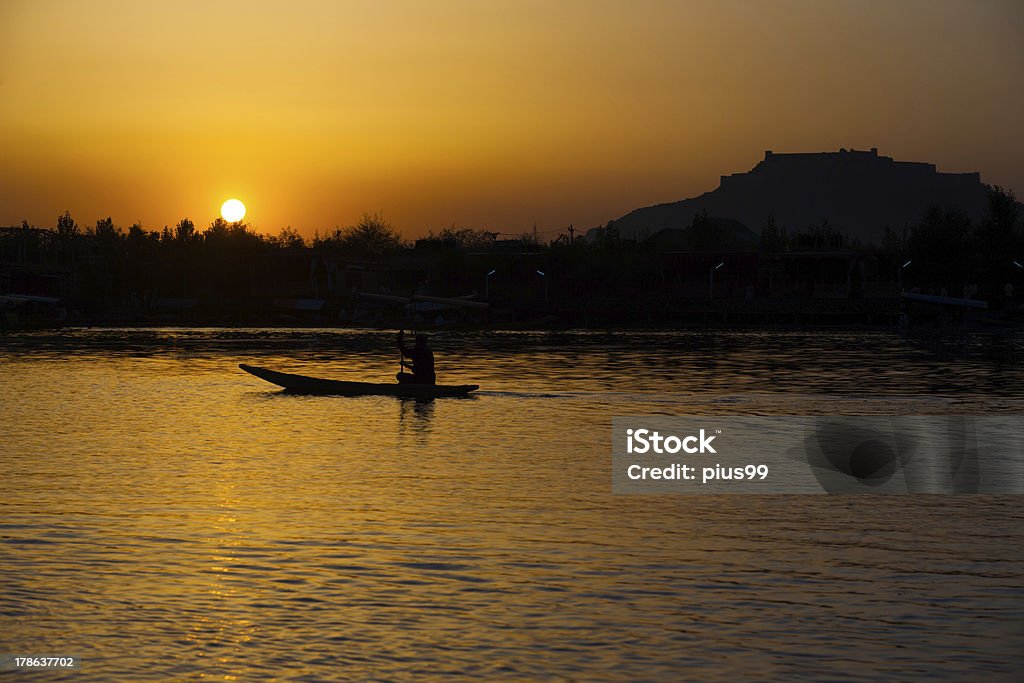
857 192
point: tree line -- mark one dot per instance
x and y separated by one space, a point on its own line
945 246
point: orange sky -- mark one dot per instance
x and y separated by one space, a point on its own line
489 114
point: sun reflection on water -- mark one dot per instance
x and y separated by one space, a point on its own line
170 518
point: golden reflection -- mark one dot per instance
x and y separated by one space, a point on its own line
415 418
219 622
232 530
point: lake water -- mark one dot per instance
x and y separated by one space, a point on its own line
165 516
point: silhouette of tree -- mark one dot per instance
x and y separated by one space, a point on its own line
528 240
218 230
106 231
940 244
569 238
822 236
609 238
371 237
705 234
185 231
224 235
772 239
997 240
998 234
1003 210
67 229
892 241
26 244
288 238
470 238
67 234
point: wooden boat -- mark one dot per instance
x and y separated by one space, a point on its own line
944 300
301 384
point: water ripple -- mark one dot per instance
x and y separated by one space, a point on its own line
166 517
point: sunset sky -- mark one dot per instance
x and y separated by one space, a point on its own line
485 114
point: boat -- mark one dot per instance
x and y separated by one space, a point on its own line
301 384
944 300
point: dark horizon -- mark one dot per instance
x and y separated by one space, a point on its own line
367 275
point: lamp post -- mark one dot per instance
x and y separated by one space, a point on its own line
541 273
487 284
899 275
711 280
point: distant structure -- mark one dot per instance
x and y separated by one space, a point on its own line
858 192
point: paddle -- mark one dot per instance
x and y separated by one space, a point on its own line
401 349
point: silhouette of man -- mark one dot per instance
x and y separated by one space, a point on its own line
421 362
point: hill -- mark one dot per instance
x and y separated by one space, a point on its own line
858 192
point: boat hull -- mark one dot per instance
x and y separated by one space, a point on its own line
301 384
944 300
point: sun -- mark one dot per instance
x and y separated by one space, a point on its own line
232 210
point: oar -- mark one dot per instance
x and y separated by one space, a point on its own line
401 349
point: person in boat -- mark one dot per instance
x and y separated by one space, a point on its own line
419 359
